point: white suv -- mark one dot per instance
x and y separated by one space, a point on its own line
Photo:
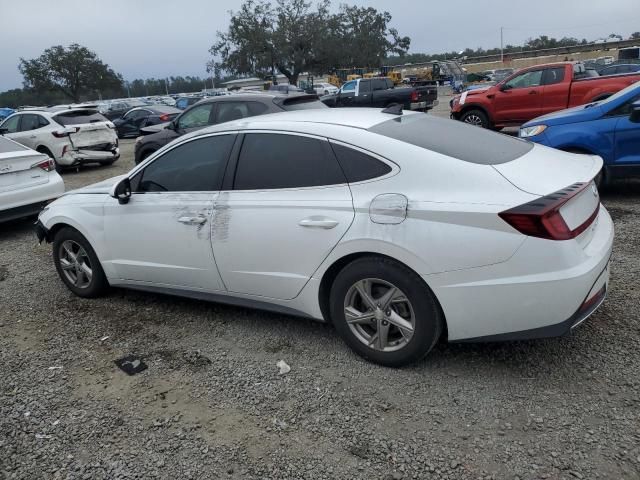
71 136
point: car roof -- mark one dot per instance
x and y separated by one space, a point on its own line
160 109
363 118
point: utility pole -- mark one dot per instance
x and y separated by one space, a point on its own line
166 86
501 46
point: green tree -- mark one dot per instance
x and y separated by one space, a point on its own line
291 37
74 71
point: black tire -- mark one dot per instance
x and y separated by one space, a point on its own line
107 163
476 117
428 317
98 283
143 156
46 151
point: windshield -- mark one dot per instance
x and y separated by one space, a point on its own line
303 104
634 87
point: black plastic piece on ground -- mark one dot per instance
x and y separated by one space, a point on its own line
131 364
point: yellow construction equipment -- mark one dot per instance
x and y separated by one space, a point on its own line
396 77
334 80
353 77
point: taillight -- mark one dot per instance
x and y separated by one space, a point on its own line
542 218
414 96
47 165
164 117
66 132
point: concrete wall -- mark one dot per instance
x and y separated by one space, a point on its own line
531 61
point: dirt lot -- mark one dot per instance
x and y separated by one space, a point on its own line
212 405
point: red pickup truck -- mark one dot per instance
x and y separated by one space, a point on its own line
535 91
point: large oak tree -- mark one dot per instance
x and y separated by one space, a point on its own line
291 37
73 71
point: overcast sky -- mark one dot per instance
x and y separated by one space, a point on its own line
159 38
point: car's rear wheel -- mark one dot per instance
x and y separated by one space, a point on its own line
385 312
475 117
77 264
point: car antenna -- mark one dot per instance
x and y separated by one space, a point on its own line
393 109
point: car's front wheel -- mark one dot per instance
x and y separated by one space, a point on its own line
475 117
77 264
385 312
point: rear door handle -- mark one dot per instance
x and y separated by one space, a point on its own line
533 92
197 220
318 222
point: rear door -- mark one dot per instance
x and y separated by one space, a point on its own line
521 100
627 139
289 207
228 111
555 95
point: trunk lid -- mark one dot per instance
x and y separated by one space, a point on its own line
559 177
545 170
19 166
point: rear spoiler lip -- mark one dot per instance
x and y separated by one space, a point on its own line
596 167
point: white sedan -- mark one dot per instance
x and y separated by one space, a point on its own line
28 180
399 228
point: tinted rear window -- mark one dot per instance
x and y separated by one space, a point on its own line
358 166
79 117
454 138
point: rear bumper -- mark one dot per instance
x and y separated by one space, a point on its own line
80 156
544 290
29 201
22 211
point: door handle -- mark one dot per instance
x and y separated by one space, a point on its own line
318 222
533 92
32 136
198 220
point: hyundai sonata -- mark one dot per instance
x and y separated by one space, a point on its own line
399 228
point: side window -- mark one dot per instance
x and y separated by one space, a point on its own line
526 80
379 84
389 83
196 117
42 122
256 108
228 111
29 122
268 161
552 76
11 124
195 166
349 86
365 86
624 109
358 166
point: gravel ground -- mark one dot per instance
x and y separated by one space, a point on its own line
212 405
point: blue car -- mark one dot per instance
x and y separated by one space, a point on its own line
609 128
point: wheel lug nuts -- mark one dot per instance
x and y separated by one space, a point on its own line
385 323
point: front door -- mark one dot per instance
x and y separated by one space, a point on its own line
520 99
289 207
627 143
162 236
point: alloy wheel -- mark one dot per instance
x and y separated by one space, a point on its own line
379 314
75 264
473 120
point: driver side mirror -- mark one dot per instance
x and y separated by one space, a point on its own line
3 131
634 116
505 87
122 191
